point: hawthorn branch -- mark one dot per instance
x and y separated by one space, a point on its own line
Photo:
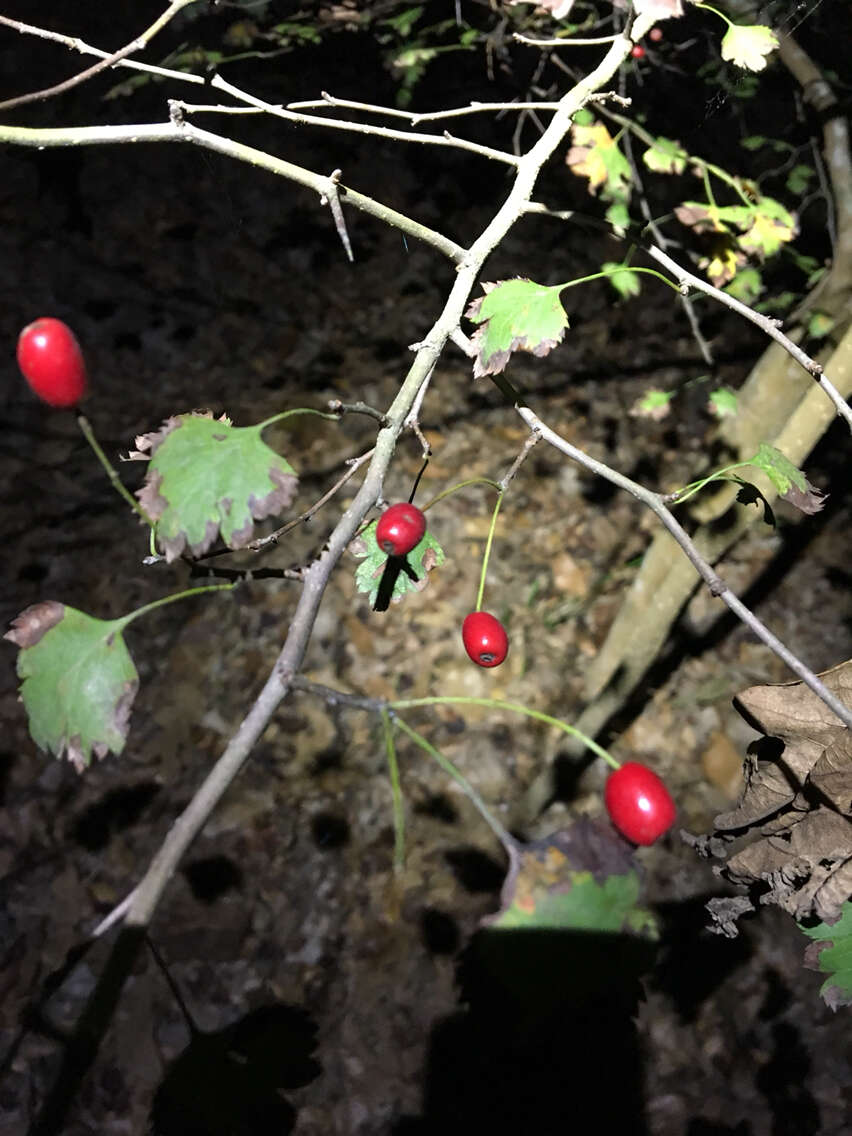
146 895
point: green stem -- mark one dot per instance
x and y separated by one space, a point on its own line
461 485
111 472
398 811
604 275
505 837
516 708
696 486
715 12
487 552
261 426
172 599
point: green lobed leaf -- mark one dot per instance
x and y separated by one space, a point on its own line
831 953
778 468
79 681
208 478
425 556
516 315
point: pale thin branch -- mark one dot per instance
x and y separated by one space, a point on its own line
714 582
180 131
362 127
415 118
564 42
769 326
106 62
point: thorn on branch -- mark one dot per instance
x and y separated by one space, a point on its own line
331 197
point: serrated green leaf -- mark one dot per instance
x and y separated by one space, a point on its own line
207 478
779 469
517 315
834 957
425 556
79 681
753 142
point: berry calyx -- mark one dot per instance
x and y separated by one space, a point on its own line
638 802
400 528
637 51
485 639
51 361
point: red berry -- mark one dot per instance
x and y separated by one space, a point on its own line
638 51
51 361
655 34
485 639
638 802
400 528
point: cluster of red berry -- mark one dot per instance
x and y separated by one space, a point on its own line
638 802
400 529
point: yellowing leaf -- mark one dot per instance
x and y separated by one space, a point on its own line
747 46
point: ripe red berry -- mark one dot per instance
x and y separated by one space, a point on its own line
485 639
655 34
638 802
637 51
51 361
400 528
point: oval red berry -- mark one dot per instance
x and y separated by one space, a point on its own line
51 361
485 639
400 528
638 802
638 51
655 34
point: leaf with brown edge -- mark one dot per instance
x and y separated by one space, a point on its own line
34 622
208 479
78 681
516 315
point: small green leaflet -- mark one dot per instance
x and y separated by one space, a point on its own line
207 478
79 681
790 482
831 952
820 324
425 556
653 404
665 157
623 279
516 315
723 402
746 285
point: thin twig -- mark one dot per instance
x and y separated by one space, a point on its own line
533 438
96 68
273 537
